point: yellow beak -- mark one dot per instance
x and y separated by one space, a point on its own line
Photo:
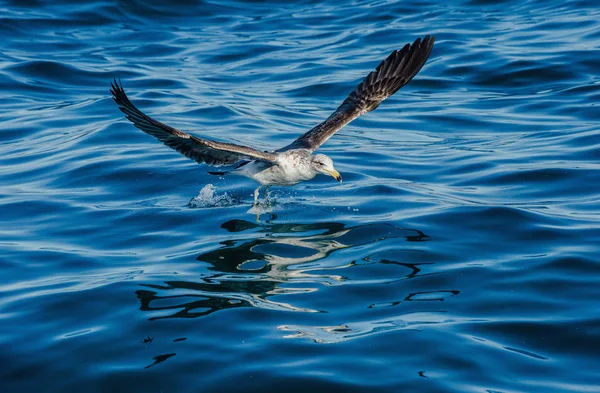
336 175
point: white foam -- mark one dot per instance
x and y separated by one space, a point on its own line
208 198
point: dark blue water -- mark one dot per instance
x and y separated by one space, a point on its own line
461 253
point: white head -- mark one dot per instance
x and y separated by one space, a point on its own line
322 164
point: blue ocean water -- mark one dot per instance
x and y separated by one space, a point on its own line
461 253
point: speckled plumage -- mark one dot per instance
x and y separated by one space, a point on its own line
295 162
292 167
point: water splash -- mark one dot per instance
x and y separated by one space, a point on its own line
264 206
207 198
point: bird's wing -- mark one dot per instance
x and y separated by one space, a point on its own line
198 149
393 73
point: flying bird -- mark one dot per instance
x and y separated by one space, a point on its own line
295 162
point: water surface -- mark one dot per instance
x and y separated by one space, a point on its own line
461 253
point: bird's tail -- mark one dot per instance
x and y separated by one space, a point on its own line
393 73
219 173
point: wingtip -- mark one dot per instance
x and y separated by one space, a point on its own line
118 93
427 41
116 86
113 88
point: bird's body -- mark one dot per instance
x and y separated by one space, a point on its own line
292 167
295 162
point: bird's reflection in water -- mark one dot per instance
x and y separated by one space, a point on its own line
250 268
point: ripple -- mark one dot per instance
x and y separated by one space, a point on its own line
463 240
355 330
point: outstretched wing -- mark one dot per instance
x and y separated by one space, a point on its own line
198 149
393 73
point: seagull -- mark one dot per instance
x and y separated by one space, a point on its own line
295 162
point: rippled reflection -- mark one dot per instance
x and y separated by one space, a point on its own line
248 269
160 358
354 330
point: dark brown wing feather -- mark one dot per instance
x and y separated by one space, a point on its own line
199 150
393 73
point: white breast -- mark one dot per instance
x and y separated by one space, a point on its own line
293 167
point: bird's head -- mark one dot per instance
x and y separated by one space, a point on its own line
320 163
